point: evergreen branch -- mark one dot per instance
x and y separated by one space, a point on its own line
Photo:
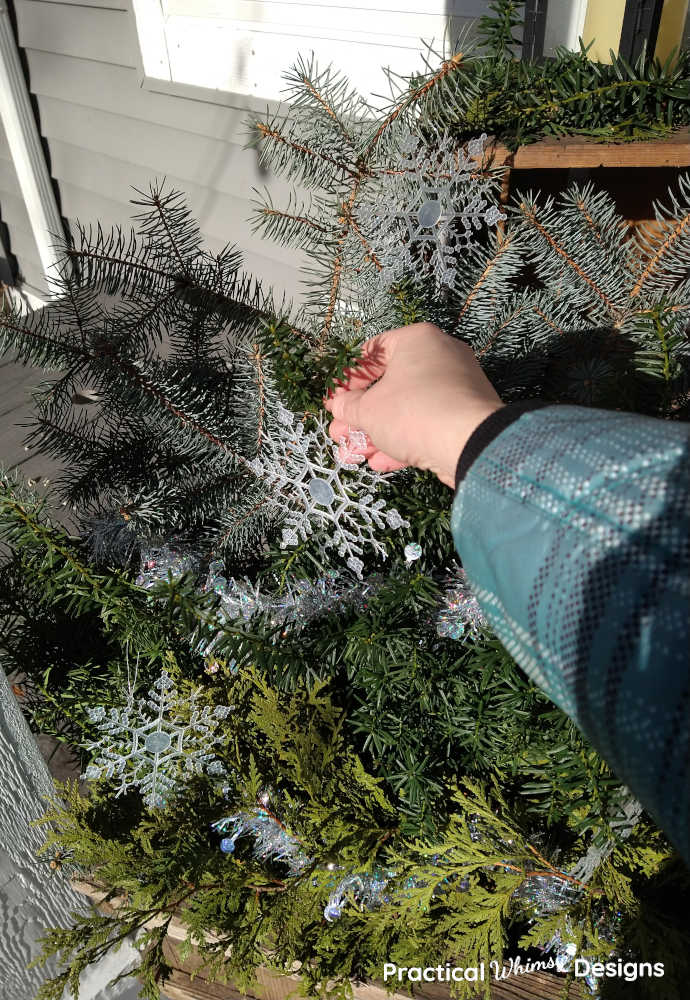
186 419
549 321
531 218
488 269
270 133
325 105
156 272
301 219
261 392
156 201
520 308
677 229
448 67
42 534
337 265
602 91
60 349
237 523
588 219
370 255
169 216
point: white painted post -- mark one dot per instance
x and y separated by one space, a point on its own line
33 898
26 150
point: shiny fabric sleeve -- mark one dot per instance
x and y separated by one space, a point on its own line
573 528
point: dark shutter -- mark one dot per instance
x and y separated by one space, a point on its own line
640 24
533 33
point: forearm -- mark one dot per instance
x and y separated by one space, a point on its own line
572 526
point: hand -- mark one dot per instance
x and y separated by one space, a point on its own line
418 394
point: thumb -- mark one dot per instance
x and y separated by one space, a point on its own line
345 405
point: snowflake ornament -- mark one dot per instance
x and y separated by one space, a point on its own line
147 744
305 469
427 212
351 446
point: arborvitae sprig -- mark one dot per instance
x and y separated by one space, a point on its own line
166 864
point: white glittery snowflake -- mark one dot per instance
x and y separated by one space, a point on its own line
305 469
427 211
147 744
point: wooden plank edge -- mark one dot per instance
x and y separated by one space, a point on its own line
575 151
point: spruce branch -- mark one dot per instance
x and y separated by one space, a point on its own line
529 214
676 225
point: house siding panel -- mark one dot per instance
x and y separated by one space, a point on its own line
89 32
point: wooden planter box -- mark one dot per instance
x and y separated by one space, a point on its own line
636 174
181 985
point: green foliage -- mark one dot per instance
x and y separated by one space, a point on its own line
421 711
65 659
495 30
174 427
302 375
166 862
520 101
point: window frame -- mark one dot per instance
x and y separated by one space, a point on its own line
148 24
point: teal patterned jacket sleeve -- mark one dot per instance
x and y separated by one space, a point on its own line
573 527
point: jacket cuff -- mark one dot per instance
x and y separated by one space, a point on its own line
491 428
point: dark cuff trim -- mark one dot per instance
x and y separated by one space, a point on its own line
491 428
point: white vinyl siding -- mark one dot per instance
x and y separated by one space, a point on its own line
360 38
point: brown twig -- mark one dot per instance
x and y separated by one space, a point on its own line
676 230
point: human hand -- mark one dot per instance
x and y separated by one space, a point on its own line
418 394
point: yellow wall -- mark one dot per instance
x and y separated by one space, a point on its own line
671 27
604 20
603 23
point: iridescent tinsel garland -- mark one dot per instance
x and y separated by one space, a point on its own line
459 616
272 842
160 562
241 600
564 951
302 601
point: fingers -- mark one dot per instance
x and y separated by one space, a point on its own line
378 460
344 405
381 462
338 429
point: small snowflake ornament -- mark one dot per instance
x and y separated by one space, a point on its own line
148 743
427 212
351 446
307 473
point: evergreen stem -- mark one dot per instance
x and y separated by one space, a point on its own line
583 95
46 536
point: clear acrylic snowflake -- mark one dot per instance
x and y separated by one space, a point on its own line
305 469
427 211
148 744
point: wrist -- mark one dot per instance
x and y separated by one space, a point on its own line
463 433
489 429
